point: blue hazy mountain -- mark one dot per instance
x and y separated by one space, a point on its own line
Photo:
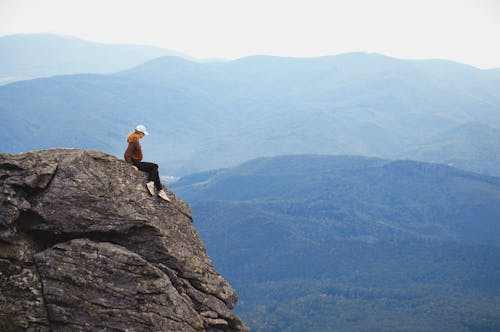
210 115
472 146
27 56
345 243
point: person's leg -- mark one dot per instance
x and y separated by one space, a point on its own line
152 169
154 176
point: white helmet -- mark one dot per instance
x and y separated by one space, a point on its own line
142 129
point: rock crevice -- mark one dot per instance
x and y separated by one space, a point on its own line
84 247
44 300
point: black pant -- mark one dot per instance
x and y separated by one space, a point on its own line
152 169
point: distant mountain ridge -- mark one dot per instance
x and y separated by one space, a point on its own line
28 56
211 115
473 146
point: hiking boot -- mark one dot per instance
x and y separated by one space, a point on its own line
151 187
163 195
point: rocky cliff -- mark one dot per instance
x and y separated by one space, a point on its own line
84 247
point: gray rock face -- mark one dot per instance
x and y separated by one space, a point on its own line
84 247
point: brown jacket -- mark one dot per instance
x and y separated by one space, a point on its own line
134 150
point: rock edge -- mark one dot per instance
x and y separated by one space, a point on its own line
84 247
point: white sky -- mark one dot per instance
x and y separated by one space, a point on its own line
466 31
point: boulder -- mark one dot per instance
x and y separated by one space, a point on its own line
84 247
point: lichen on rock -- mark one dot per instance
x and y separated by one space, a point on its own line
84 247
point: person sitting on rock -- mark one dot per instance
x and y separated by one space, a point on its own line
133 155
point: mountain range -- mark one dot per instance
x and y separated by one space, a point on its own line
373 203
347 243
28 56
218 114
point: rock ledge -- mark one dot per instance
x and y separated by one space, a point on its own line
84 247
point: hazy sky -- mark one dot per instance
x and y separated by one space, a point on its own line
467 31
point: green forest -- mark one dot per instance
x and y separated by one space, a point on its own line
342 243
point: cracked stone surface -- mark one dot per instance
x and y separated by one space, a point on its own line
84 247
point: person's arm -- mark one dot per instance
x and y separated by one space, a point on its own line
128 156
138 151
128 153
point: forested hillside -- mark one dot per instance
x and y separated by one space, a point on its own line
317 243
